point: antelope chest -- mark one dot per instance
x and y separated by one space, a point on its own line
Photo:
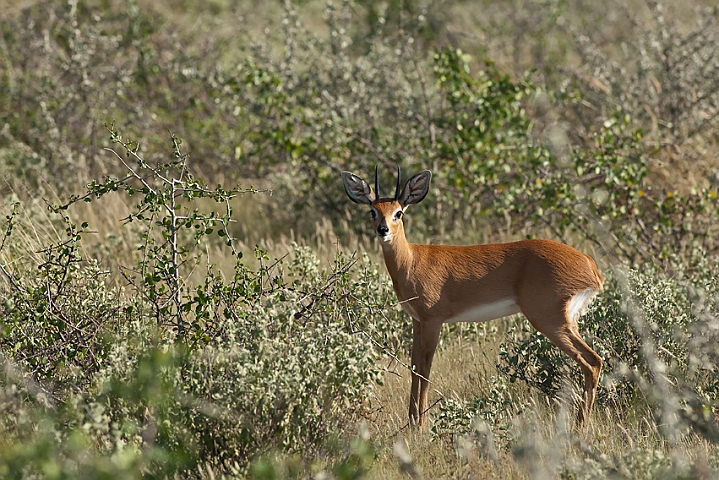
409 308
405 300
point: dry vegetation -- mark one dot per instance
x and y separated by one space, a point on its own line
157 322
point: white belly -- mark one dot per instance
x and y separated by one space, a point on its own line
486 312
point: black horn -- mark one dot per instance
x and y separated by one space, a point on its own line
376 182
396 191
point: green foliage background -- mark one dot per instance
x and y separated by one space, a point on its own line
169 346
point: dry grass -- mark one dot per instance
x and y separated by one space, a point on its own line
543 441
540 444
114 242
461 370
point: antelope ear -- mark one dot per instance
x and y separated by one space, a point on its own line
357 189
415 189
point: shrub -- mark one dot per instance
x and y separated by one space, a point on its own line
174 374
502 153
654 333
56 319
73 67
170 373
495 410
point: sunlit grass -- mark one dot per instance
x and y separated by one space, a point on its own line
533 434
543 438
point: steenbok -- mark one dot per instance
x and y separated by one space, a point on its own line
549 282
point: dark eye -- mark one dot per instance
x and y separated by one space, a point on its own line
373 214
398 215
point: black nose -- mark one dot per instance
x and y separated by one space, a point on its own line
382 230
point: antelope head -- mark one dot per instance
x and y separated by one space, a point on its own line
387 212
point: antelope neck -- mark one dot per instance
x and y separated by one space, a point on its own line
398 253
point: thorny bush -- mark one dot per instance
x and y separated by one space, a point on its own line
272 357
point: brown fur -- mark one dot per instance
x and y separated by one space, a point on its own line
436 283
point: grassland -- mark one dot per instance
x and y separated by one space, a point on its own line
159 322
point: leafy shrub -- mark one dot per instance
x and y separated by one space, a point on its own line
265 380
178 375
73 67
497 410
284 381
502 151
166 375
645 325
56 320
71 436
